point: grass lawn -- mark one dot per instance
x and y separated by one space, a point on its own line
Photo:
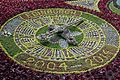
93 18
9 45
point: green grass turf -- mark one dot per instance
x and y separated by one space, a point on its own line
9 45
93 18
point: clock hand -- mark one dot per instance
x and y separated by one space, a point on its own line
53 30
62 28
70 39
76 23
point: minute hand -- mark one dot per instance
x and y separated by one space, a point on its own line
62 28
76 23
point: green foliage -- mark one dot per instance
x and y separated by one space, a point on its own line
90 17
42 30
9 45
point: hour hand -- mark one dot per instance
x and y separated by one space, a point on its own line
52 29
70 39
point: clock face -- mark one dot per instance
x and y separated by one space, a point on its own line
59 40
91 4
